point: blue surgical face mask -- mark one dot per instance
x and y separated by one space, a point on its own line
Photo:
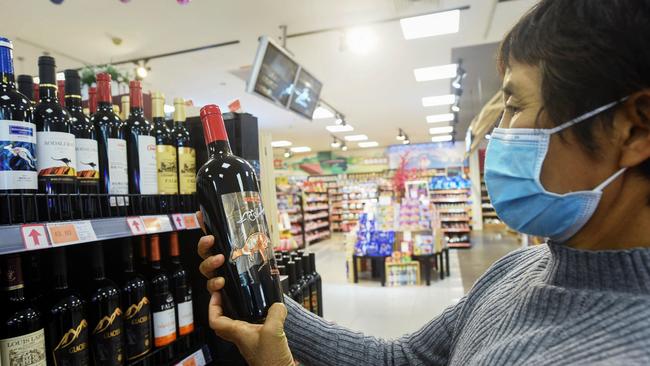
513 165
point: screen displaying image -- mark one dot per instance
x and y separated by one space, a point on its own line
305 94
276 76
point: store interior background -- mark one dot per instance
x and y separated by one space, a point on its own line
366 68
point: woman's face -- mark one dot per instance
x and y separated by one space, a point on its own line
568 166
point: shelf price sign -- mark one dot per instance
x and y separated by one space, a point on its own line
65 233
191 222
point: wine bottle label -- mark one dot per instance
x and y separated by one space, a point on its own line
314 302
187 170
25 350
249 238
185 318
17 155
72 348
87 159
164 327
107 340
117 170
167 173
55 153
138 329
306 302
147 160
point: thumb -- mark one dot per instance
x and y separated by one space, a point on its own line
275 318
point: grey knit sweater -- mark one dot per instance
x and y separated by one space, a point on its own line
547 305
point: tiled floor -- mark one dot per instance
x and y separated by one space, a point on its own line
390 312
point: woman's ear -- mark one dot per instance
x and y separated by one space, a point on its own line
633 127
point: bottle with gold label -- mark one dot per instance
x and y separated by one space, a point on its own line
66 331
105 314
186 157
126 107
165 155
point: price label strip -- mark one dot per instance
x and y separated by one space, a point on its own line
136 225
34 236
157 224
66 233
179 221
198 358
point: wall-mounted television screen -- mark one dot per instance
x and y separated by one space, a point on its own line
305 94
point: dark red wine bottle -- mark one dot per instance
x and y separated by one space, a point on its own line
55 151
311 285
105 313
229 198
163 307
165 155
85 145
137 308
18 172
111 141
294 285
182 291
66 330
26 87
186 157
302 282
318 284
141 148
92 101
22 338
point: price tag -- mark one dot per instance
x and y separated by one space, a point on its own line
66 233
136 225
157 224
179 221
195 359
34 236
191 222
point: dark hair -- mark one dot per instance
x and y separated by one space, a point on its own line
589 52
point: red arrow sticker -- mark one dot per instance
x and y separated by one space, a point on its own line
34 236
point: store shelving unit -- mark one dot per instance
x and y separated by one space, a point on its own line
290 204
335 199
454 209
316 211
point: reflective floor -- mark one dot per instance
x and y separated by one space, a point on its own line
390 312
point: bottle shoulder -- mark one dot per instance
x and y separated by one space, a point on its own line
14 105
51 116
103 289
139 125
64 301
103 118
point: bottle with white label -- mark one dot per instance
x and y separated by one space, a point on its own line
141 149
163 307
85 145
22 339
17 142
55 149
111 141
182 291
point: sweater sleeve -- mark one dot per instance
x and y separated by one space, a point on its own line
316 342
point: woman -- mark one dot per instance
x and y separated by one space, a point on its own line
570 161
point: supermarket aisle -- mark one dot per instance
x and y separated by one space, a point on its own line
386 312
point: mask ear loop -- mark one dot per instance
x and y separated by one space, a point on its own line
585 116
609 180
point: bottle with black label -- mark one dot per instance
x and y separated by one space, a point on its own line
111 141
137 308
318 284
186 157
141 148
182 291
229 198
55 151
163 307
22 338
18 172
85 144
165 155
66 330
294 287
105 314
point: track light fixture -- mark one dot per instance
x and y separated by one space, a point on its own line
344 147
336 143
287 153
401 136
142 70
406 140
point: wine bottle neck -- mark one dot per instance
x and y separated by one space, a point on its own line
6 63
136 111
47 93
73 102
8 79
219 148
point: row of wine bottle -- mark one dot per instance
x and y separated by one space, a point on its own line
49 145
305 285
107 323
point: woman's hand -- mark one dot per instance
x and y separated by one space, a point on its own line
260 344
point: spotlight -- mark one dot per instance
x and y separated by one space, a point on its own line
335 143
401 136
406 141
344 147
142 70
339 120
455 108
287 153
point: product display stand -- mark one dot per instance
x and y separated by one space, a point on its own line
316 211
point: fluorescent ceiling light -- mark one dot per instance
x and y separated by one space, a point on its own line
339 128
438 100
300 149
360 40
356 138
441 138
368 144
431 24
281 143
322 113
439 130
436 72
444 117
